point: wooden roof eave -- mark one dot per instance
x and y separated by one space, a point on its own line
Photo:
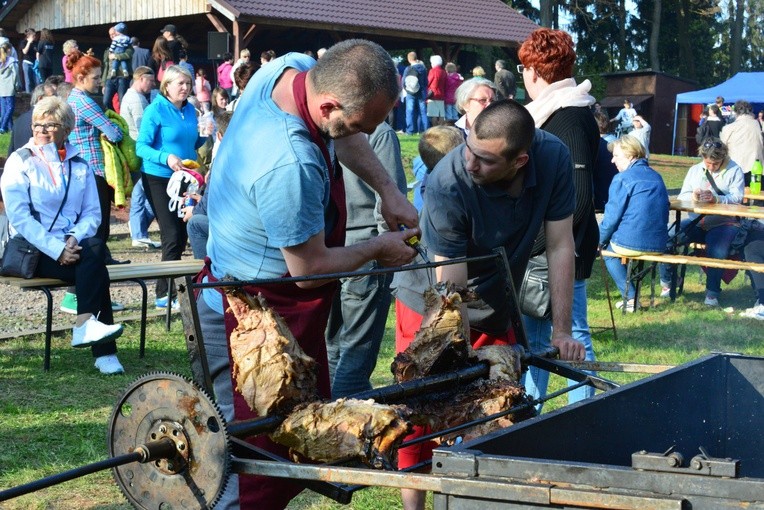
225 9
334 27
235 15
13 11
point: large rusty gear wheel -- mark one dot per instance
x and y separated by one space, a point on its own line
165 405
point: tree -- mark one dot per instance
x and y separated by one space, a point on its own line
655 36
597 33
546 8
525 7
753 52
691 41
737 20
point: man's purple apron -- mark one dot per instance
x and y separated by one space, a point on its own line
305 311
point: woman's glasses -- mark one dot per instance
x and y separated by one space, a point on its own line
482 101
520 68
48 126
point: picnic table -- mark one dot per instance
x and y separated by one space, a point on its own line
638 272
733 210
752 197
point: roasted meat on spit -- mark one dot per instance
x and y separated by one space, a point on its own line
476 400
345 429
272 372
439 345
505 362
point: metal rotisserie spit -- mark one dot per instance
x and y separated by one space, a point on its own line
691 434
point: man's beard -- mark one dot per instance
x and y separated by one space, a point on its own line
335 129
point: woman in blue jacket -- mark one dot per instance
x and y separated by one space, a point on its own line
636 213
168 134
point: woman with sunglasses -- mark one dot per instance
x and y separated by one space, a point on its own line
51 201
716 179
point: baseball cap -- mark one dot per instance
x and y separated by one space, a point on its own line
168 28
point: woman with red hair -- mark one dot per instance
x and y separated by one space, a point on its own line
562 108
89 123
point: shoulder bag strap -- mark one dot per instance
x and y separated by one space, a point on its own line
712 182
66 194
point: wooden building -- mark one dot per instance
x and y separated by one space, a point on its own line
653 95
443 26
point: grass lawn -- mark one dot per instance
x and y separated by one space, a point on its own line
54 421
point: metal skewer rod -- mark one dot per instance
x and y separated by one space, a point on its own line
346 274
163 448
390 393
500 414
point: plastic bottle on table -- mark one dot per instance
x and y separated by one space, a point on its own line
756 172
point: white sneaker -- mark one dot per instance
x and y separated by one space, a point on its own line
711 301
629 305
109 365
665 289
757 312
93 332
146 243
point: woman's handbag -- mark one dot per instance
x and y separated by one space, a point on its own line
20 258
535 296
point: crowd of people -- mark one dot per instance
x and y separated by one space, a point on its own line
326 194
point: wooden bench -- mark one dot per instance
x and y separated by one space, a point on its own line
137 272
666 258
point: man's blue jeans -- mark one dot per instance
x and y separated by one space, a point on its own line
355 330
114 86
30 80
198 228
400 116
540 339
7 105
141 214
717 241
618 273
416 115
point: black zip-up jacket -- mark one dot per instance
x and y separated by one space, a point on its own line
577 129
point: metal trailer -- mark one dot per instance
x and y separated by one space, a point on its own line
625 448
691 437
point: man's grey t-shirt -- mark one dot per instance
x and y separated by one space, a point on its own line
464 219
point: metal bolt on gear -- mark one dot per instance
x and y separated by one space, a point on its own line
160 406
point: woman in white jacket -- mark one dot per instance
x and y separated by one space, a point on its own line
51 201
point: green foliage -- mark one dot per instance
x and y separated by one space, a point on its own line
694 41
525 7
597 31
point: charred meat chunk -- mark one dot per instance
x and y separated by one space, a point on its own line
271 370
345 429
476 400
439 345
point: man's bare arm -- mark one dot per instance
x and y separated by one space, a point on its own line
355 153
314 257
560 253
